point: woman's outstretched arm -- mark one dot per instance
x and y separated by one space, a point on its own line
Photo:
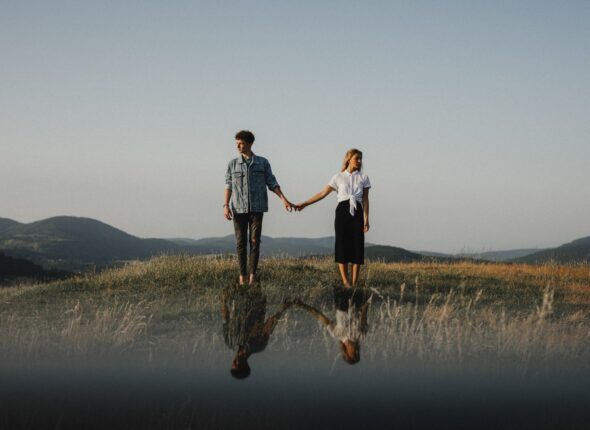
319 196
317 314
366 209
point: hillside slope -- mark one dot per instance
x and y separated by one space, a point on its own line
6 223
577 251
74 241
392 254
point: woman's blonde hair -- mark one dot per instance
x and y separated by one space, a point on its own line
349 154
352 355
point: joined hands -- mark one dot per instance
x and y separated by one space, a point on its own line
290 206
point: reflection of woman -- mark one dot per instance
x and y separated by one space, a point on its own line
352 214
350 326
244 326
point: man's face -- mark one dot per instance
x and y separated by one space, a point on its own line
243 147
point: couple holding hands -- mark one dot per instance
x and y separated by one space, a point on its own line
245 201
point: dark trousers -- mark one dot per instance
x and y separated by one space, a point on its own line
252 222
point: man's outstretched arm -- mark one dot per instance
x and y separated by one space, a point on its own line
271 322
273 185
278 192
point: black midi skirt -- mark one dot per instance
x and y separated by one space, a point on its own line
350 237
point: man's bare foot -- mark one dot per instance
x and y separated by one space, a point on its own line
242 280
253 279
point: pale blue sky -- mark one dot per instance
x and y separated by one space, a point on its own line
473 116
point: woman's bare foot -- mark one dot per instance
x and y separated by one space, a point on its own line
347 285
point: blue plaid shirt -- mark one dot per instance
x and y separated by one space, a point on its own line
248 184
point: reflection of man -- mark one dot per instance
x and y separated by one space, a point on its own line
246 200
350 326
244 326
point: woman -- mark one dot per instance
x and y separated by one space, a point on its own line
350 324
352 214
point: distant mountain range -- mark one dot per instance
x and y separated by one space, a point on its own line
78 244
280 246
575 251
508 255
498 256
74 243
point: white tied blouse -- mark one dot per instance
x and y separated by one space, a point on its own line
347 326
350 187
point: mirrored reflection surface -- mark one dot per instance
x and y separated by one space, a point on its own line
323 357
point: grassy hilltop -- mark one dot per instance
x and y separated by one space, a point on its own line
427 311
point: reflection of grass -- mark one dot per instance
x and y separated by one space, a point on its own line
421 311
455 327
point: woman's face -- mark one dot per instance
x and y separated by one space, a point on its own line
355 162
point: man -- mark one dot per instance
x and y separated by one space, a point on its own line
245 326
246 200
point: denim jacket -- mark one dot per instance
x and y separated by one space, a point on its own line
248 184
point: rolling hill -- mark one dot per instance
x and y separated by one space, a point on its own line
577 251
6 223
393 254
76 243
